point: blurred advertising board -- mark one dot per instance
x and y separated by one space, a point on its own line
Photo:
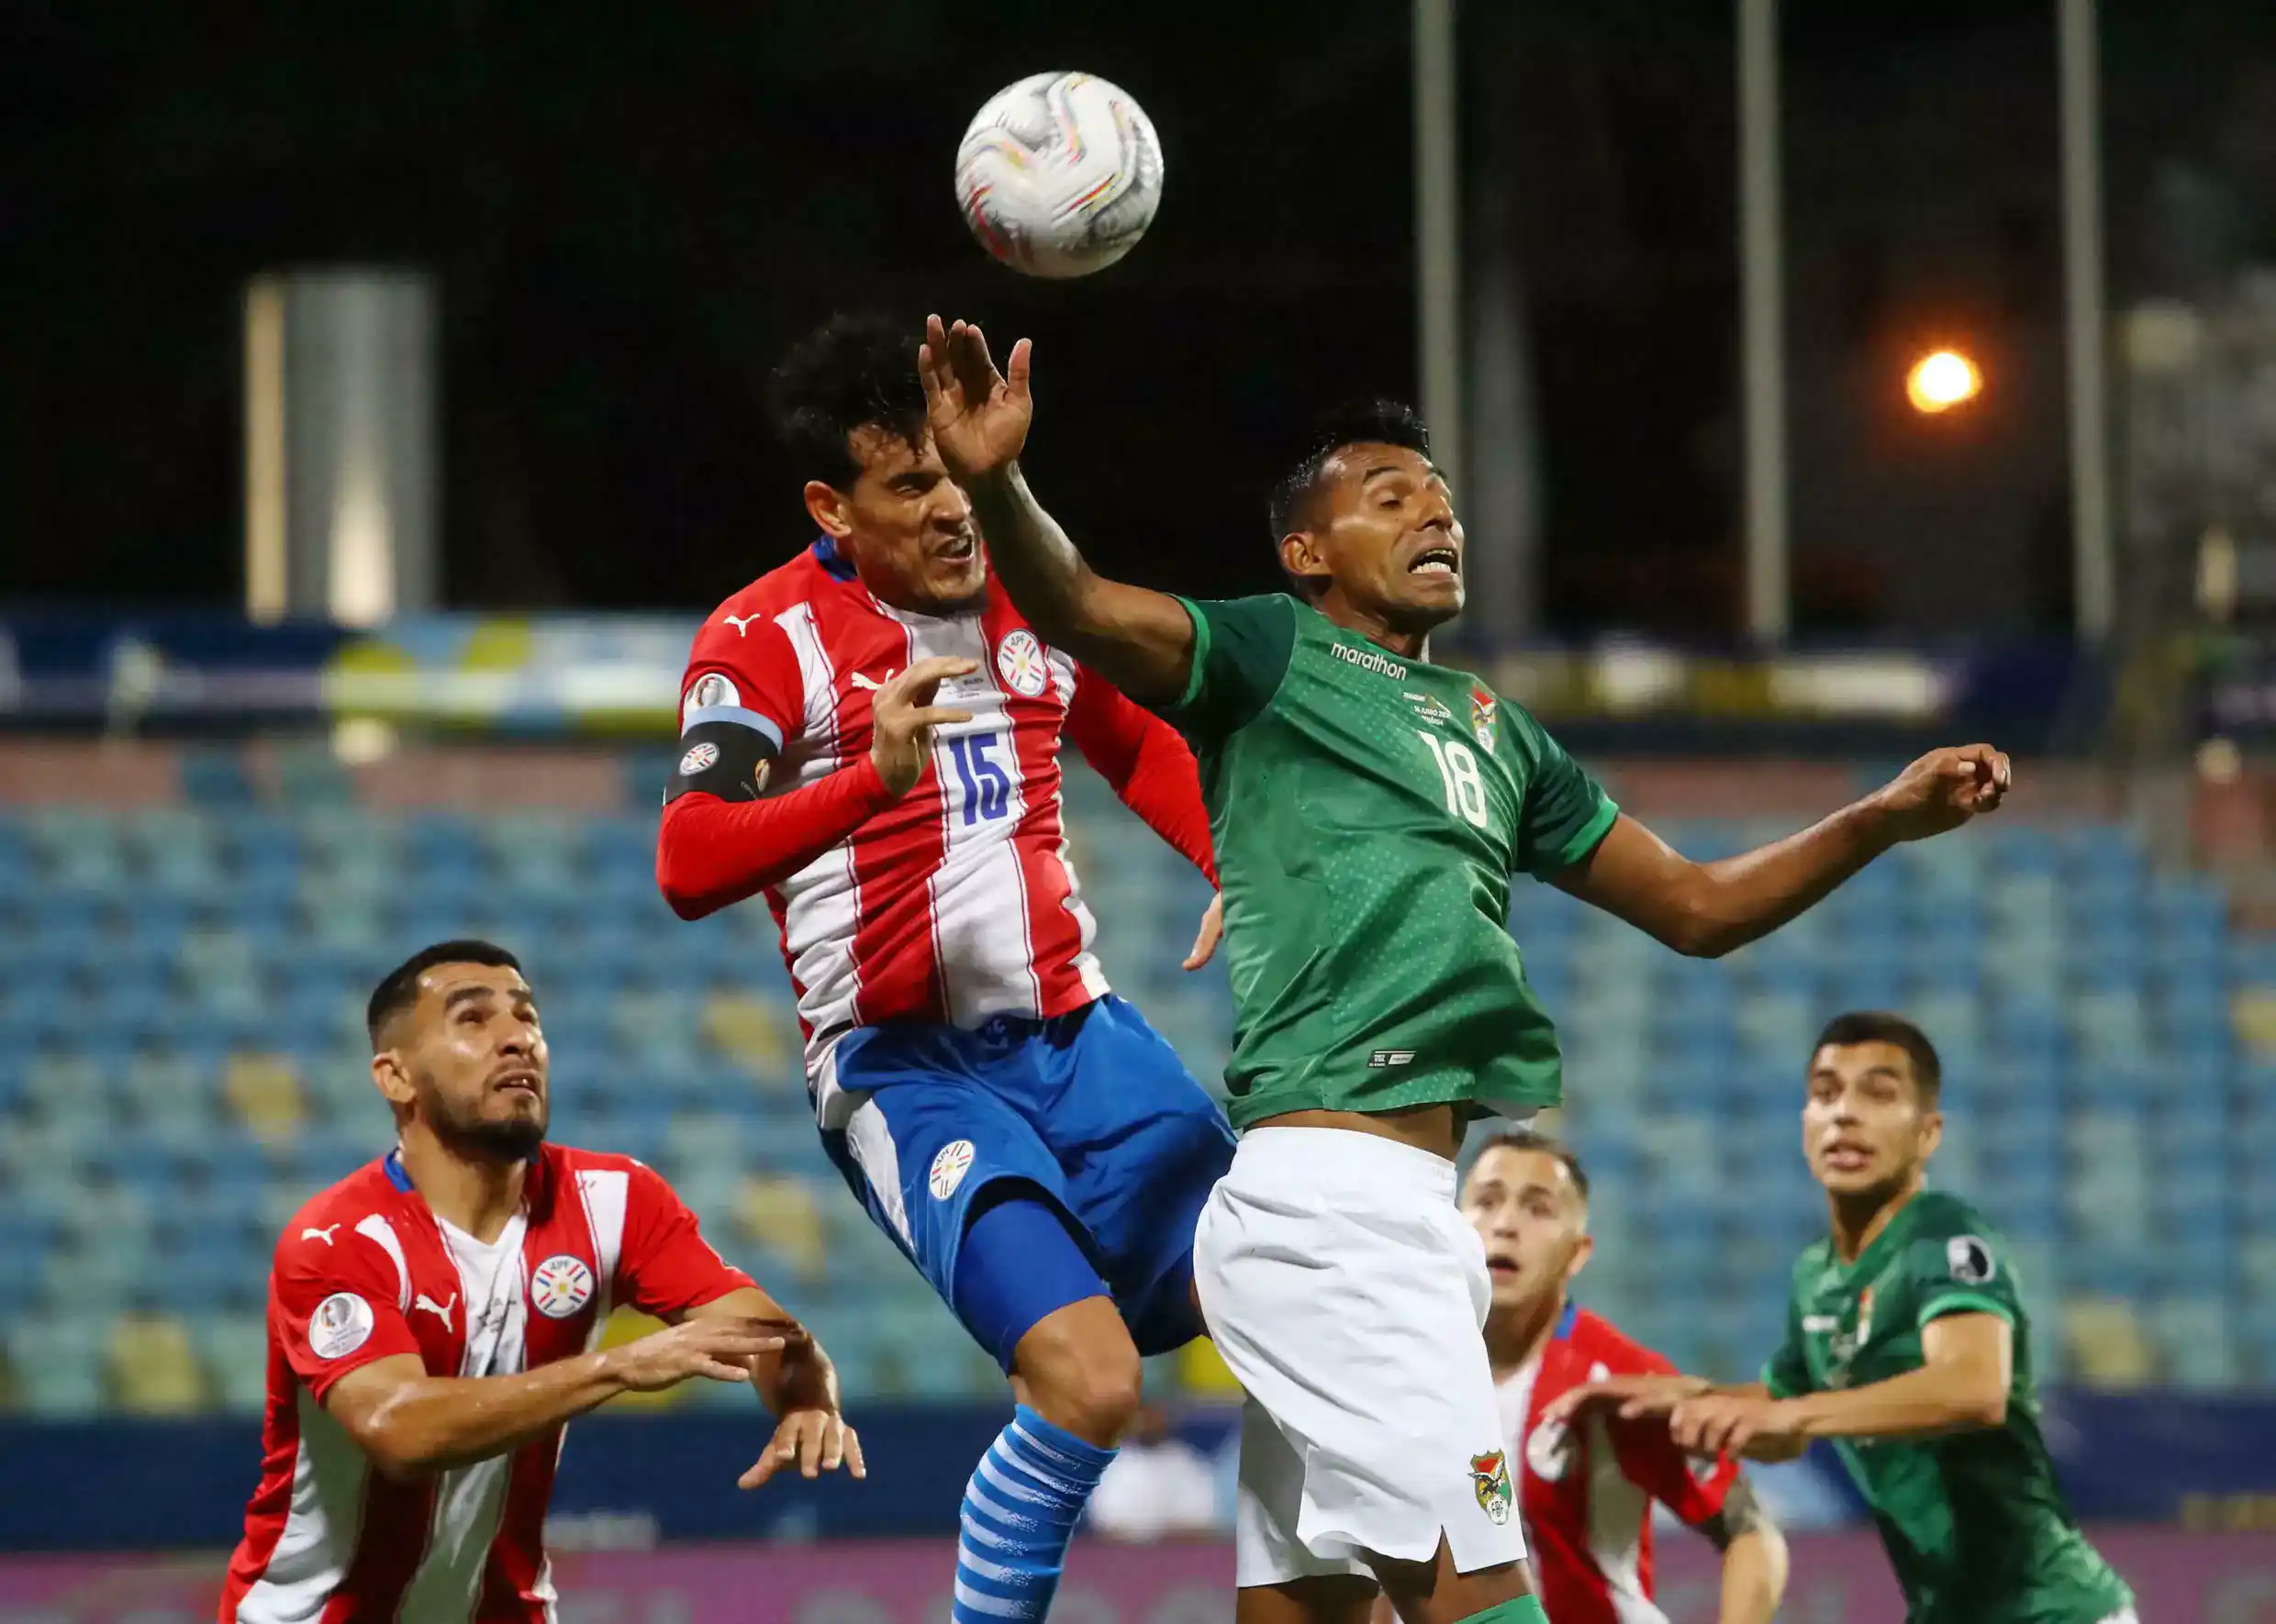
619 675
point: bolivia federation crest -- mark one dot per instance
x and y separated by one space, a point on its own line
1489 1477
1482 709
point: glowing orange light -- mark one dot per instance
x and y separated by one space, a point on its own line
1941 381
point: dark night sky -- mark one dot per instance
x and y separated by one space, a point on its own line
631 218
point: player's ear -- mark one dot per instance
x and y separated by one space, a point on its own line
1301 558
392 1078
1582 1253
826 505
1931 1132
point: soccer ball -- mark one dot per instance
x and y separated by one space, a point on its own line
1060 175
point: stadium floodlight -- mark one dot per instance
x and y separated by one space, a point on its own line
1942 379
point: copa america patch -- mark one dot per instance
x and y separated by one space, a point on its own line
1020 659
342 1323
560 1285
700 758
948 1168
1969 1259
710 690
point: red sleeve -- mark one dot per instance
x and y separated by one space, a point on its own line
711 853
334 1303
1692 1487
667 1267
1147 763
745 670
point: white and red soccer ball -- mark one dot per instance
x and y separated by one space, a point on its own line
1059 175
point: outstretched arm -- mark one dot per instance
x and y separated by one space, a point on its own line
1709 909
1968 1360
1141 641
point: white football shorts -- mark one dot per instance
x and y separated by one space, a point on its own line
1346 1292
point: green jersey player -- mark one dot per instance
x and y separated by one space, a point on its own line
1907 1345
1368 808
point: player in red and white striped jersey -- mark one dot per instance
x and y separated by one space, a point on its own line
870 741
1585 1493
434 1321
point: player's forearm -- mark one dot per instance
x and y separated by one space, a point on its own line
711 853
1921 1403
1039 566
799 1377
1754 1575
1737 900
435 1423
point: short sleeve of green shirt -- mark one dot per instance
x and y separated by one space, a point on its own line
1241 652
1565 814
1960 1273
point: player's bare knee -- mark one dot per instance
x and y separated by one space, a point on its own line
1082 1371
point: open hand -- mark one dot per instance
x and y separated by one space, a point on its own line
902 716
818 1440
719 1349
1213 932
1944 789
979 417
1630 1397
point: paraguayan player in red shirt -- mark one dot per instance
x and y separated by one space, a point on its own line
1585 1492
870 737
435 1316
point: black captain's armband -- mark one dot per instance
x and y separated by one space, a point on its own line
1741 1514
723 759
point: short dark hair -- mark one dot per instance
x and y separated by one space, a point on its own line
852 372
1882 1026
398 989
1367 422
1528 1139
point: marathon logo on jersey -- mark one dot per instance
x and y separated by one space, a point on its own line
1020 660
342 1323
1368 660
560 1285
1482 710
1489 1479
1383 1058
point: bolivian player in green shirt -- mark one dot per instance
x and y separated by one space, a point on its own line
1368 808
1907 1345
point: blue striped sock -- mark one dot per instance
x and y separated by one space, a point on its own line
1019 1514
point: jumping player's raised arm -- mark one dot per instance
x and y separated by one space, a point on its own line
1143 642
1707 909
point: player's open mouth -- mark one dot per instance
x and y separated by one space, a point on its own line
1502 1268
1848 1157
517 1082
961 549
1436 561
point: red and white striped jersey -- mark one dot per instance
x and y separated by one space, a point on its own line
958 901
366 1271
1586 1492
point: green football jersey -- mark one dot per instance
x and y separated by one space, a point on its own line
1972 1521
1368 812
